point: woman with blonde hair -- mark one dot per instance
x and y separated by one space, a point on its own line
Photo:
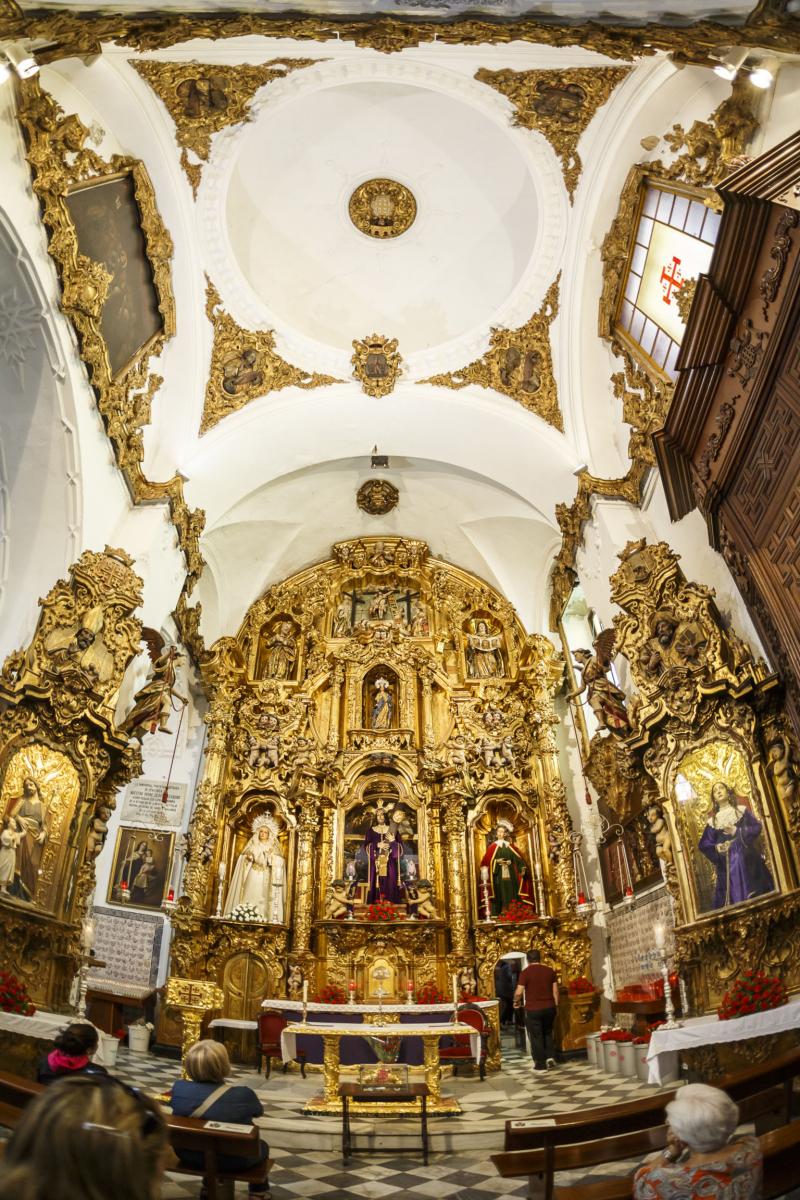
206 1094
87 1137
702 1156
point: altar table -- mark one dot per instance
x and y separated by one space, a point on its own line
365 1014
665 1044
331 1033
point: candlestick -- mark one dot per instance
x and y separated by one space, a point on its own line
305 1000
684 996
221 872
487 908
351 988
455 997
669 1007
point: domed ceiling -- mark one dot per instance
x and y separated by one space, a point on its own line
464 347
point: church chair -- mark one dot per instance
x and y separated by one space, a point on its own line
270 1027
459 1050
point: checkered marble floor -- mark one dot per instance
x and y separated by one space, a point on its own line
515 1092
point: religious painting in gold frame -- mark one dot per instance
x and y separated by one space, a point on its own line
40 790
723 828
107 221
141 870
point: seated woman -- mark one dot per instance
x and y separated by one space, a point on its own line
85 1137
205 1094
71 1054
702 1157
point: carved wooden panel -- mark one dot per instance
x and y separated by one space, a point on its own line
763 478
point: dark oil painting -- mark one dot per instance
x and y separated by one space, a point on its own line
108 227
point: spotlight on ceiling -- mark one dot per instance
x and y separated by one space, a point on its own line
762 78
21 59
725 71
379 460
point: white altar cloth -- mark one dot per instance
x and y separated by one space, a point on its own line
449 1029
42 1025
662 1057
312 1006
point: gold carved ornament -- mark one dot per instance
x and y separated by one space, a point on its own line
59 160
245 365
518 363
204 98
377 364
377 497
78 34
382 208
557 104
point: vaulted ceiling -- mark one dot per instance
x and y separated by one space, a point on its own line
264 245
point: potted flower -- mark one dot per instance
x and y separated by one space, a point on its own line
14 996
246 913
753 992
139 1036
612 1040
430 994
383 910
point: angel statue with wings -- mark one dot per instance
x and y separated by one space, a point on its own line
153 704
606 700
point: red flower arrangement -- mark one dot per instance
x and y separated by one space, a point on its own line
383 910
516 911
430 994
580 986
754 992
331 994
14 996
616 1035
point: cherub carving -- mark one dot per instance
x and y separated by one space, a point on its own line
606 700
654 815
784 770
421 904
265 751
337 901
98 829
294 982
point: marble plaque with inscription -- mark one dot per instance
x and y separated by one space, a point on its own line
144 802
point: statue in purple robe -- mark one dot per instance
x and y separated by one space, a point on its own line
730 843
384 851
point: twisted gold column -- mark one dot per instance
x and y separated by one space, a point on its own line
455 825
307 824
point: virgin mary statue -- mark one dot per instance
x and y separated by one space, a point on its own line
259 877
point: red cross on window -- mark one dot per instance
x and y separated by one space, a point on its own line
671 281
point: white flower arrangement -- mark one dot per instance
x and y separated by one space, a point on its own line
245 912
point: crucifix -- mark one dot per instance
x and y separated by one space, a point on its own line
405 601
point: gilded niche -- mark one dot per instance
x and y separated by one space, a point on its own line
518 363
557 104
380 732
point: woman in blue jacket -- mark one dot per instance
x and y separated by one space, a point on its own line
207 1065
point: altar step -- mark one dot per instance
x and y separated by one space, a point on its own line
305 1132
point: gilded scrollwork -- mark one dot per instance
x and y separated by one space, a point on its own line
203 98
245 365
518 363
60 159
377 364
557 104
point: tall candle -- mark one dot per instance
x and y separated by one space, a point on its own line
660 935
221 871
305 991
455 991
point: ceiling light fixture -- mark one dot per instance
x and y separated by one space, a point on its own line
379 461
725 71
762 78
21 59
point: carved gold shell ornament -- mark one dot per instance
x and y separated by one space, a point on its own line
382 208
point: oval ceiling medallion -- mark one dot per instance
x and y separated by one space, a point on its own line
382 208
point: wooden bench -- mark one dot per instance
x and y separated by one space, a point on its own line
780 1148
564 1151
607 1120
185 1133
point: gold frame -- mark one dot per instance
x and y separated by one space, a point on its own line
146 834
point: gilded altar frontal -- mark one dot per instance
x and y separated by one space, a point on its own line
380 741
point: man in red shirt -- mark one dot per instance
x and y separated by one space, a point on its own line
537 988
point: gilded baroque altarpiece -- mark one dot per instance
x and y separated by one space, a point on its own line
62 761
380 690
708 756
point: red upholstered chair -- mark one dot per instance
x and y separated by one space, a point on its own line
271 1025
459 1050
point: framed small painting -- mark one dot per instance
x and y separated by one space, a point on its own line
108 227
142 867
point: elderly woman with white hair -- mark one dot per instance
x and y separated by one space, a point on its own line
702 1157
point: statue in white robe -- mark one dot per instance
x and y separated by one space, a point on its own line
259 877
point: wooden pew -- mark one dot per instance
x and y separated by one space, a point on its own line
561 1151
607 1120
185 1133
781 1150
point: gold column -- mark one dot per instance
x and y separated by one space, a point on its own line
433 1072
203 826
493 1047
307 824
337 679
455 826
330 1066
426 681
